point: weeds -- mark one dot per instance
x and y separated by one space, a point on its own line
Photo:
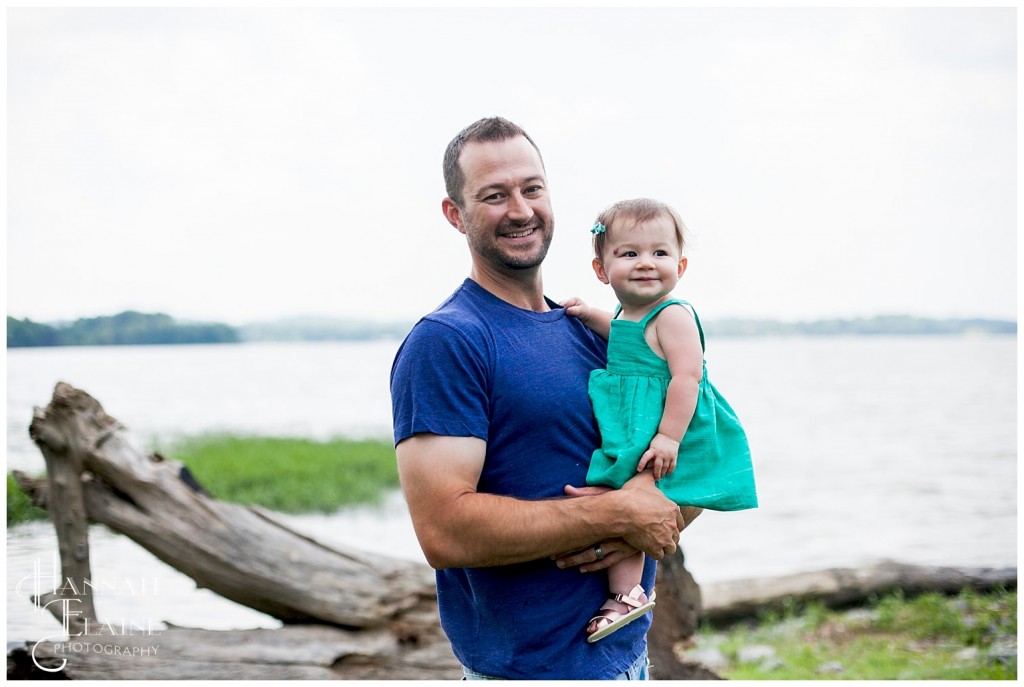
932 636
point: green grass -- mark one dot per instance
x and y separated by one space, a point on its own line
282 474
290 475
19 506
930 637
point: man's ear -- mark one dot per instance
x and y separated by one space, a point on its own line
599 270
453 213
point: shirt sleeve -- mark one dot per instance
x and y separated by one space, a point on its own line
439 384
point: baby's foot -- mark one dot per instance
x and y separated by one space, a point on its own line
615 610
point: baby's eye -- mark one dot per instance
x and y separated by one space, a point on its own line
660 253
629 254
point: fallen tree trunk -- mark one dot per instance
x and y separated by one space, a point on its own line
726 602
294 652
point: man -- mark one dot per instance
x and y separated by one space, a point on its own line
493 427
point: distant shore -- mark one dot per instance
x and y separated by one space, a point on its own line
133 328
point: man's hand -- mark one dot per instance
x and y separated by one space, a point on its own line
654 527
612 550
656 522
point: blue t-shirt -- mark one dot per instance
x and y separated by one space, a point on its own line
478 366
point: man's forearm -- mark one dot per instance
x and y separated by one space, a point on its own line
460 527
484 530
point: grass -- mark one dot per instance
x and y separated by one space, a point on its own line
290 475
19 506
929 637
282 474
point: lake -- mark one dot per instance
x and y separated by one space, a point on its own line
864 448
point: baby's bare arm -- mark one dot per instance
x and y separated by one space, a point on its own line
598 321
677 337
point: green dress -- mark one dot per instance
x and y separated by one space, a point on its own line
714 469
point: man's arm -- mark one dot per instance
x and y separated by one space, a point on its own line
459 527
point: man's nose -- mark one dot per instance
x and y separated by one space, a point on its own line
519 209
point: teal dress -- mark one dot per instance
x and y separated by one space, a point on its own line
714 469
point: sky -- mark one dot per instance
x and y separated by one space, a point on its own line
248 164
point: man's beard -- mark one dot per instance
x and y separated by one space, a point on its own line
492 252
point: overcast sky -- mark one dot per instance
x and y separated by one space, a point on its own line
247 164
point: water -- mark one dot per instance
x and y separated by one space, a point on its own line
864 448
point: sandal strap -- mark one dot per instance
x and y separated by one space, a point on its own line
632 599
608 616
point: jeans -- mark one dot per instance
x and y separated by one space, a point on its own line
637 671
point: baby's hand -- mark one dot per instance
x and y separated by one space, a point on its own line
575 306
595 319
664 452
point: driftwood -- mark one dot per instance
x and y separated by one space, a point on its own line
294 652
726 602
239 552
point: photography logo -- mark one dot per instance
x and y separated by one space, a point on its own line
54 595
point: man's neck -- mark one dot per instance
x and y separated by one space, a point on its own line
523 288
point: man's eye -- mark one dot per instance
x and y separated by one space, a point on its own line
533 190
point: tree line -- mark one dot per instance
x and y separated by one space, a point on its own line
127 328
131 327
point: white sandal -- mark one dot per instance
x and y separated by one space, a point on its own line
612 621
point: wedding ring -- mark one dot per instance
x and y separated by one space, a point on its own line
598 551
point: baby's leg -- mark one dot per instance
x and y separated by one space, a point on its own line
623 577
626 574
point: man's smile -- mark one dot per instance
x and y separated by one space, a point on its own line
519 234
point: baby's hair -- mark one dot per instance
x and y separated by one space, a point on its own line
638 210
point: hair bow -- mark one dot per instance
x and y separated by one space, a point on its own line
597 229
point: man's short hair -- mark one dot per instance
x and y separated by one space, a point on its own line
486 129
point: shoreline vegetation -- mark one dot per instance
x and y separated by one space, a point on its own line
134 328
289 475
971 635
967 636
